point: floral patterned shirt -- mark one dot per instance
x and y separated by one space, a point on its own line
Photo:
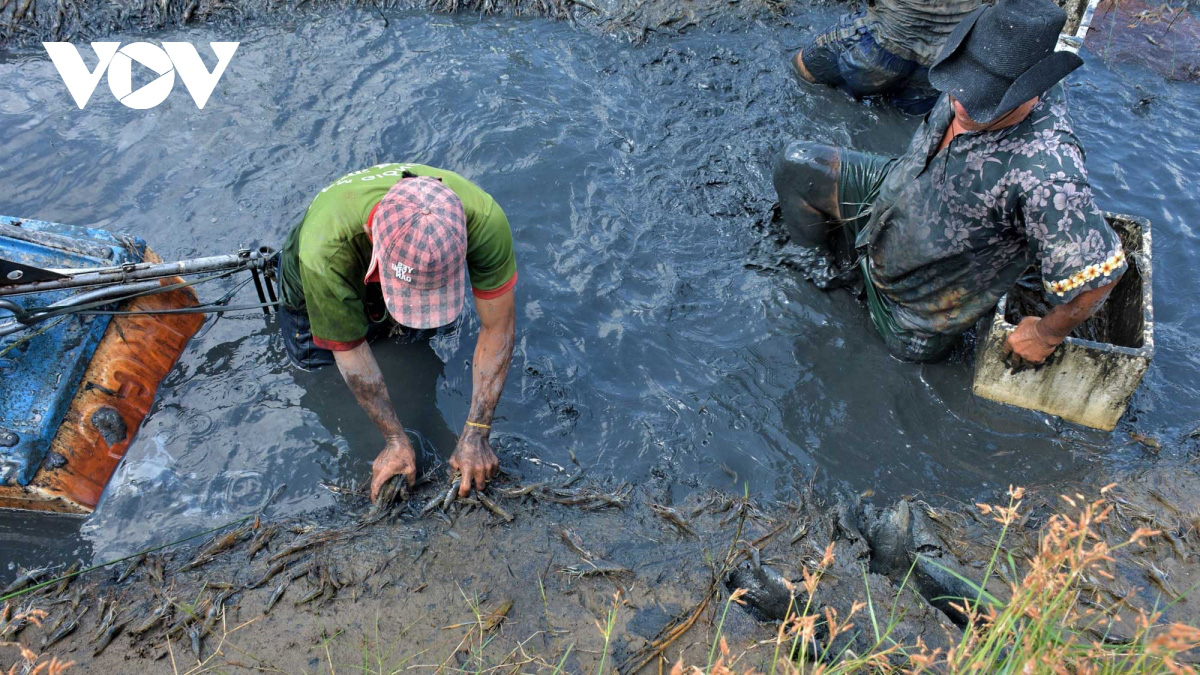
952 231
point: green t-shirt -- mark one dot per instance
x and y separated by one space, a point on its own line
325 258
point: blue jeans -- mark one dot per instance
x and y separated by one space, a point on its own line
306 355
846 55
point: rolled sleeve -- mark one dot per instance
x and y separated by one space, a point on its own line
496 292
335 346
1074 246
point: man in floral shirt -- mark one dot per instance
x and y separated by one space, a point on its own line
993 183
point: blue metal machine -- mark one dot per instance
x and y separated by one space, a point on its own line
41 368
90 324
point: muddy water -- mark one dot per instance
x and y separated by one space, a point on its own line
662 336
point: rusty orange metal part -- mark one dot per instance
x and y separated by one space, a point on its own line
114 397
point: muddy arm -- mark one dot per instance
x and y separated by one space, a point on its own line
1060 321
1036 338
493 355
362 375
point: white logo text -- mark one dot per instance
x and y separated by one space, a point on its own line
165 61
403 272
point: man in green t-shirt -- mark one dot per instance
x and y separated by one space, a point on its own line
389 244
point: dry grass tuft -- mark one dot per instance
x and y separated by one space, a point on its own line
1050 625
34 664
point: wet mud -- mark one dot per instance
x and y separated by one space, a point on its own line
674 351
25 23
534 582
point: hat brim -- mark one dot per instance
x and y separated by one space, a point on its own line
424 307
955 40
1038 80
985 96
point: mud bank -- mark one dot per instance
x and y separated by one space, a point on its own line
578 577
28 22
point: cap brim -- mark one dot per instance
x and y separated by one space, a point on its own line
425 307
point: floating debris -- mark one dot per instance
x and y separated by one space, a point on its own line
1148 442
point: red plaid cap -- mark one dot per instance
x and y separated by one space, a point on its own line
419 234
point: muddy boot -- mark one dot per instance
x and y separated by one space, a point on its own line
941 576
904 539
768 594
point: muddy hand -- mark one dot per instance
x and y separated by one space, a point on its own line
474 459
1026 346
397 458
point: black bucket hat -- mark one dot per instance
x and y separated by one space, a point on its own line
1002 55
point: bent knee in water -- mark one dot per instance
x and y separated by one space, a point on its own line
804 167
805 179
800 69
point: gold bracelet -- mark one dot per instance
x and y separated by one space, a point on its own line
477 425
